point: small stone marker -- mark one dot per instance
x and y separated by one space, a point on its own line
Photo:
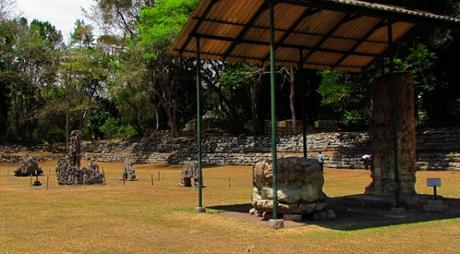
200 209
276 223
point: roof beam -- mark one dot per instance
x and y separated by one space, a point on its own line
308 12
410 16
369 33
258 59
245 30
285 30
281 45
198 24
348 17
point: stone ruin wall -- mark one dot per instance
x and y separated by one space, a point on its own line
437 149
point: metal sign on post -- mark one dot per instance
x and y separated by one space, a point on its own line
434 182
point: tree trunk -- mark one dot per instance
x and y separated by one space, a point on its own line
67 128
292 100
157 120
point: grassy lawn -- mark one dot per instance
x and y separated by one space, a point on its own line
141 218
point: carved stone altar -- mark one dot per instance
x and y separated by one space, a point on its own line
300 187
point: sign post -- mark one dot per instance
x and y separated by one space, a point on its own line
435 183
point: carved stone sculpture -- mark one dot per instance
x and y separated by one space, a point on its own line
189 175
381 135
129 172
68 171
28 167
300 187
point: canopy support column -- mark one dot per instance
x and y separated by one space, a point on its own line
273 109
198 125
394 125
301 78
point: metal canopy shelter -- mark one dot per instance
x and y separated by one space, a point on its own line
342 35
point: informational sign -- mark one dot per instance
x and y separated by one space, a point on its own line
433 182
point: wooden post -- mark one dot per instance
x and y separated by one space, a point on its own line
158 175
229 182
151 178
103 174
47 180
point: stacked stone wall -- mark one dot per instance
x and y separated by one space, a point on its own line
437 149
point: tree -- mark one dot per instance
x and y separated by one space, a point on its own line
28 63
158 28
7 8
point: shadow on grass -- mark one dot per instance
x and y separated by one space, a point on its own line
356 212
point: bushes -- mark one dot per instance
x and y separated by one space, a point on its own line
113 128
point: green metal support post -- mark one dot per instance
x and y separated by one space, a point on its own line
198 122
273 109
394 125
302 91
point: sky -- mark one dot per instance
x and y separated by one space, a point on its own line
60 13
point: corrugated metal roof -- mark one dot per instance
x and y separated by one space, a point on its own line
345 35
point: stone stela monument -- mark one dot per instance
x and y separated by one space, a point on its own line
300 188
28 167
189 176
129 172
68 171
400 87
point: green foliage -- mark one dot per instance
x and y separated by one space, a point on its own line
112 128
161 24
346 95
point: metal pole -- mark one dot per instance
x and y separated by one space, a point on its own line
273 109
198 120
394 125
302 89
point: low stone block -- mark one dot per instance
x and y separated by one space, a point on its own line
276 223
292 217
200 209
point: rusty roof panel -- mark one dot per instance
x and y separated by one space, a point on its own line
323 58
357 27
356 61
301 39
339 44
348 45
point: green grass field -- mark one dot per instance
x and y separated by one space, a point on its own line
141 218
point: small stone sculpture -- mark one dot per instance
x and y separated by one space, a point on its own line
129 172
189 174
300 187
28 167
68 171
